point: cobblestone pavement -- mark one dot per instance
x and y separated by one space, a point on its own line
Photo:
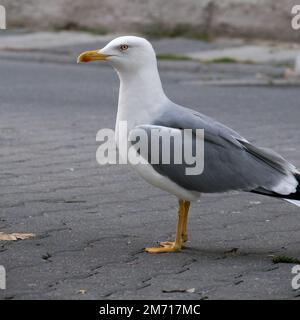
93 221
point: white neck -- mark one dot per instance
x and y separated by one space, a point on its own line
140 92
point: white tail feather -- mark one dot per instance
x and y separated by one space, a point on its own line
295 202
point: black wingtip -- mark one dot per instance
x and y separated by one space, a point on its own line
291 196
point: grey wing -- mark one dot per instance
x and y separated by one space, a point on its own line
230 161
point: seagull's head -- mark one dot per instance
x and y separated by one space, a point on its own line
128 53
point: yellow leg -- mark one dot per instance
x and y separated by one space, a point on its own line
184 231
181 233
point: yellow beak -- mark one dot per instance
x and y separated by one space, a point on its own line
93 55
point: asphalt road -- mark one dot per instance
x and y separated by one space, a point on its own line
92 222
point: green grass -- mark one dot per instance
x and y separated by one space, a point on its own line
285 259
170 56
223 60
283 64
228 60
75 27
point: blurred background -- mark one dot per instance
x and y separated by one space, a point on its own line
200 19
210 31
234 60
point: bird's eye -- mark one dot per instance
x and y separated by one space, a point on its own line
123 47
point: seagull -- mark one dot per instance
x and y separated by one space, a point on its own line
231 162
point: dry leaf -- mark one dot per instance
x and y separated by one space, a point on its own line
15 236
82 291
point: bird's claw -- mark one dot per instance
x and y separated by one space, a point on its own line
165 246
